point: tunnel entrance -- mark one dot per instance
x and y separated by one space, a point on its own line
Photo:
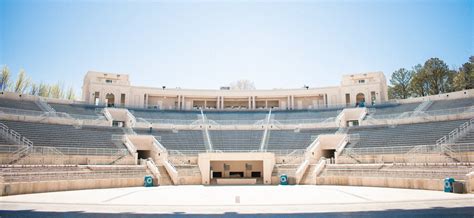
144 154
328 153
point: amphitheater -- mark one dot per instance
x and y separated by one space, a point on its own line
341 136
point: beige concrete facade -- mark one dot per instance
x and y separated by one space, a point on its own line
409 183
108 88
262 162
16 188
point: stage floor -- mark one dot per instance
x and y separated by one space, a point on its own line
235 200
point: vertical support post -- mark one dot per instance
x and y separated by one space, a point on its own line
183 102
292 102
324 100
250 102
179 103
222 102
254 104
288 102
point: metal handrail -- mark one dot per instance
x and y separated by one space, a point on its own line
45 150
15 136
456 133
23 112
456 147
450 111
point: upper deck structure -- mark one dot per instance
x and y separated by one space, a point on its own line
116 90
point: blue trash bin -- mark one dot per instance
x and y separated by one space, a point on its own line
283 179
448 184
148 181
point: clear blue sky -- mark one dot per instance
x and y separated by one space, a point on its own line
195 44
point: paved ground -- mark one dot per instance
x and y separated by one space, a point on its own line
327 201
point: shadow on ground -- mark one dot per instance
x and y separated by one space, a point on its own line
431 212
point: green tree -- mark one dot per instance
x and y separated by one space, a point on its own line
438 75
5 83
22 82
44 90
71 95
419 85
34 89
57 90
464 79
401 83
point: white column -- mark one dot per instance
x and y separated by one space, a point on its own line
178 107
250 102
183 103
292 102
254 103
288 102
146 101
218 102
324 100
222 102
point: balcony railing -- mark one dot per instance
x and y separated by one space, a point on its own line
22 112
425 149
44 150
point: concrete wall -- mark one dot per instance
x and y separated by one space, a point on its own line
470 183
452 95
418 119
68 159
66 185
465 157
189 179
16 96
390 182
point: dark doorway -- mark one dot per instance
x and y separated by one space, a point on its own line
117 123
110 99
144 154
256 174
236 174
216 174
328 153
352 123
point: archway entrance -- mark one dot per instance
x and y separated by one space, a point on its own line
110 99
360 99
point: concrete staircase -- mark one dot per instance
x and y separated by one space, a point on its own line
423 106
44 106
165 177
309 177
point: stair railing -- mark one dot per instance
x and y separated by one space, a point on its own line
456 133
207 136
14 136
